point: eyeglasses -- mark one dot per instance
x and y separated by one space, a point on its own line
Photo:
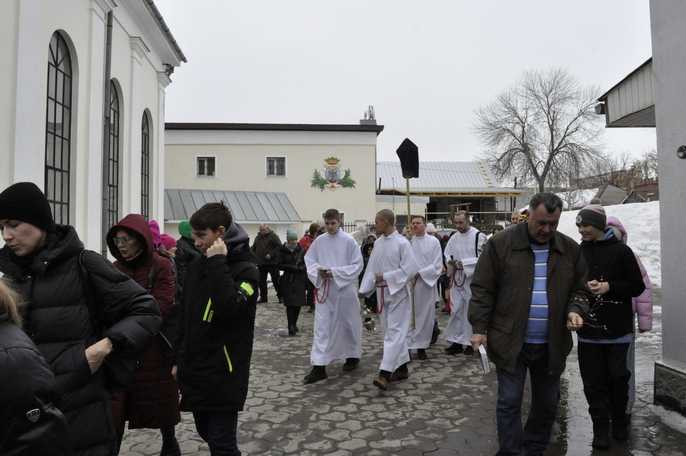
121 240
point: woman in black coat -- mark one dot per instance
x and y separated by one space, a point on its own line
294 280
88 320
30 424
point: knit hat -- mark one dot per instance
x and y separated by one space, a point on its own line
185 229
291 235
25 202
168 242
592 215
155 230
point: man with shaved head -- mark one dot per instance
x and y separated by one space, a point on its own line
391 267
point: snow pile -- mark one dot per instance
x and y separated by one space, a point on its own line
642 223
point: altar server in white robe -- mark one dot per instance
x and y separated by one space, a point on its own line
334 263
427 251
389 271
461 254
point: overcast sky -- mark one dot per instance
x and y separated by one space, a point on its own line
425 66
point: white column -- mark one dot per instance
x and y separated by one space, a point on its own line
131 178
669 63
89 185
158 156
29 115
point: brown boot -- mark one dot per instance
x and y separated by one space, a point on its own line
381 382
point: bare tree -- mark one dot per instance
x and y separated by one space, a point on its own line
543 130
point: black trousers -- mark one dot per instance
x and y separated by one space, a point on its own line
606 380
218 429
273 272
309 294
292 313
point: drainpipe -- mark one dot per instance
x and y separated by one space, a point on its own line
106 133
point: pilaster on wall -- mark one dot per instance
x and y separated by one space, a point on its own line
132 157
89 198
30 102
159 157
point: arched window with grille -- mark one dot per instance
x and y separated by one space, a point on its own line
113 156
58 129
145 166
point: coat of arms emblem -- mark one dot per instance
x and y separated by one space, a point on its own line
331 178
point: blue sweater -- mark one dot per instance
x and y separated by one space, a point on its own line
537 326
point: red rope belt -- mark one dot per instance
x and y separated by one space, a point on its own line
326 286
380 296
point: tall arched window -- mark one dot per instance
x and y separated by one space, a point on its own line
113 158
58 129
145 166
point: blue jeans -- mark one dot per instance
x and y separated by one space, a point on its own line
218 429
545 395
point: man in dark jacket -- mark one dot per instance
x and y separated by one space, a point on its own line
528 285
217 327
266 247
81 312
186 253
614 278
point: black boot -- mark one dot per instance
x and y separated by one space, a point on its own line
351 364
401 373
316 374
454 349
468 350
421 354
291 330
601 434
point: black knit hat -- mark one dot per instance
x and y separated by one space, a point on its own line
592 215
25 202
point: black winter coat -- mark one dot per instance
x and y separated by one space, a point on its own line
27 383
217 326
293 282
611 315
58 320
266 248
186 253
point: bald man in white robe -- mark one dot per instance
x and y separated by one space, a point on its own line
390 269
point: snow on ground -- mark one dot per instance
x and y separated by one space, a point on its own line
642 223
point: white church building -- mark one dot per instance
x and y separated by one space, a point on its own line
82 93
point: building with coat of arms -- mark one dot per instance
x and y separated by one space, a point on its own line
284 175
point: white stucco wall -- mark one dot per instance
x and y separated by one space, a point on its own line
241 165
26 27
669 63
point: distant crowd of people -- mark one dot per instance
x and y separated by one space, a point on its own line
87 346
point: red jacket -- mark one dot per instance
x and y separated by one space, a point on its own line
149 266
306 241
152 400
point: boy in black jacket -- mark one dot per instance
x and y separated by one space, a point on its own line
614 278
217 325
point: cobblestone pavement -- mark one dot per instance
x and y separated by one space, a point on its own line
446 407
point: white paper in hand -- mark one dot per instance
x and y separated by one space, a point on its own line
485 364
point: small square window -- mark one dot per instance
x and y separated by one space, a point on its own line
276 166
206 166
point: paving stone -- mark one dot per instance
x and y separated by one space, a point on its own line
446 407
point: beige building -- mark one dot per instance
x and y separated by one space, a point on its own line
285 175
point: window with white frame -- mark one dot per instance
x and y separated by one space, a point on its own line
276 166
206 166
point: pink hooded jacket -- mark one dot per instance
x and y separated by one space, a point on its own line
643 304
